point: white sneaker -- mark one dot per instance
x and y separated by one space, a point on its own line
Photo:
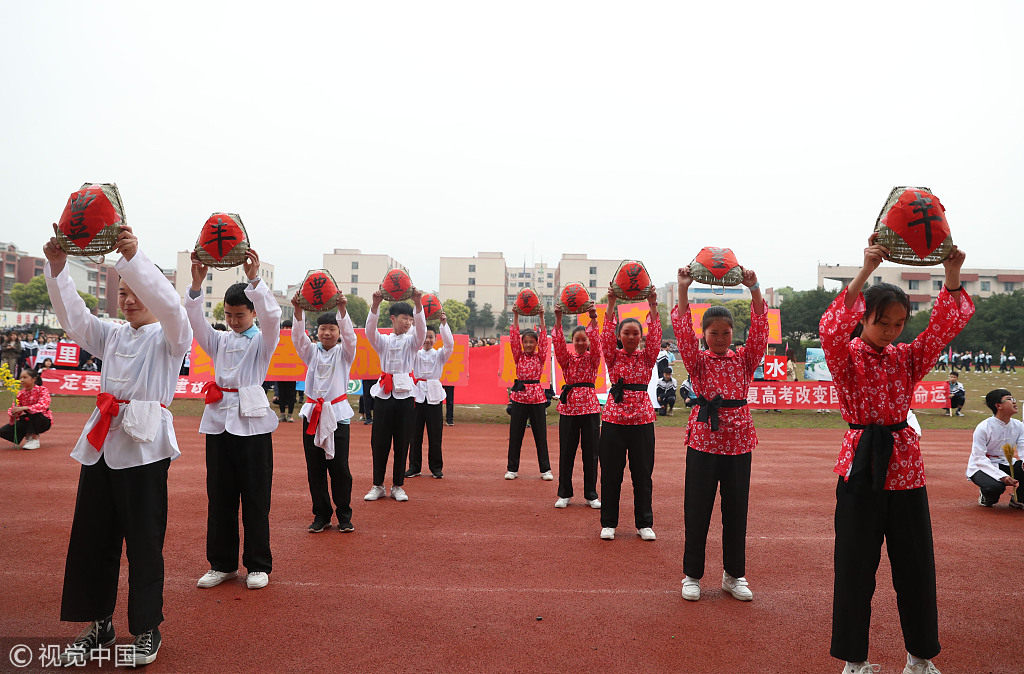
862 668
511 475
737 587
594 503
608 533
376 492
691 588
561 503
32 443
547 476
256 579
214 578
398 494
646 534
923 667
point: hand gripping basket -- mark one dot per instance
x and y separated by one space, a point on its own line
913 226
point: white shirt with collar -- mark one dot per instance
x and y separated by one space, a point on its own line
987 448
327 372
397 354
138 365
240 360
429 366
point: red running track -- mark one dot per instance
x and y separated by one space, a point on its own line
456 579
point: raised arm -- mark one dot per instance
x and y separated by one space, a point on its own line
594 335
558 341
543 342
303 344
609 348
419 320
757 340
205 335
514 340
74 316
447 339
267 308
653 343
348 336
372 335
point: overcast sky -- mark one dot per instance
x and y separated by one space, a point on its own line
420 129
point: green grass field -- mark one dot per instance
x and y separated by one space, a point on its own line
976 384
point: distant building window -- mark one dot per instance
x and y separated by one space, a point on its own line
593 283
550 285
472 294
593 270
1008 287
472 267
914 285
355 264
550 275
936 285
521 284
986 286
878 279
209 277
355 278
472 281
593 295
91 275
355 291
915 307
209 304
209 290
10 269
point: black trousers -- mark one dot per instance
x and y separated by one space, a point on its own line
449 404
705 474
957 401
993 488
114 508
238 468
26 424
390 427
863 519
617 442
667 399
535 413
429 416
580 430
318 467
286 396
366 400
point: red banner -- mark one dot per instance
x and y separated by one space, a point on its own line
813 395
775 368
79 382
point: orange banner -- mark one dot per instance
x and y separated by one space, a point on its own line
507 365
639 312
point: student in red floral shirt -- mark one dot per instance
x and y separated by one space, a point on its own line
628 418
529 402
881 492
30 413
579 413
721 436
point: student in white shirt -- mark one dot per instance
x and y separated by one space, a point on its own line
430 396
125 448
987 466
238 423
326 414
393 396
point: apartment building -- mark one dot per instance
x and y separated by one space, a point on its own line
538 276
358 273
97 279
481 278
217 280
922 284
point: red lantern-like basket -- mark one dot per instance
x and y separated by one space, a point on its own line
575 298
396 286
431 306
913 226
91 220
223 241
318 291
717 267
631 281
528 302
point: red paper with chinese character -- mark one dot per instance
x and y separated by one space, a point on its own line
318 289
396 285
220 235
633 279
919 218
431 305
527 302
87 212
717 260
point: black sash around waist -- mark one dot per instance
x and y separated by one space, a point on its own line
520 384
620 386
709 408
563 397
874 451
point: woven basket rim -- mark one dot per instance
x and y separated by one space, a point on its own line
222 265
901 253
109 231
587 306
702 274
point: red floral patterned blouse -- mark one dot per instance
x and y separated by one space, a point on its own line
728 376
578 368
634 368
37 399
529 367
877 388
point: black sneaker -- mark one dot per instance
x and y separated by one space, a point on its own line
449 423
438 475
99 634
345 527
412 473
984 502
146 646
318 525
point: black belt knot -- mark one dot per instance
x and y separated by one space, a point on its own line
618 388
520 384
874 451
709 408
564 395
